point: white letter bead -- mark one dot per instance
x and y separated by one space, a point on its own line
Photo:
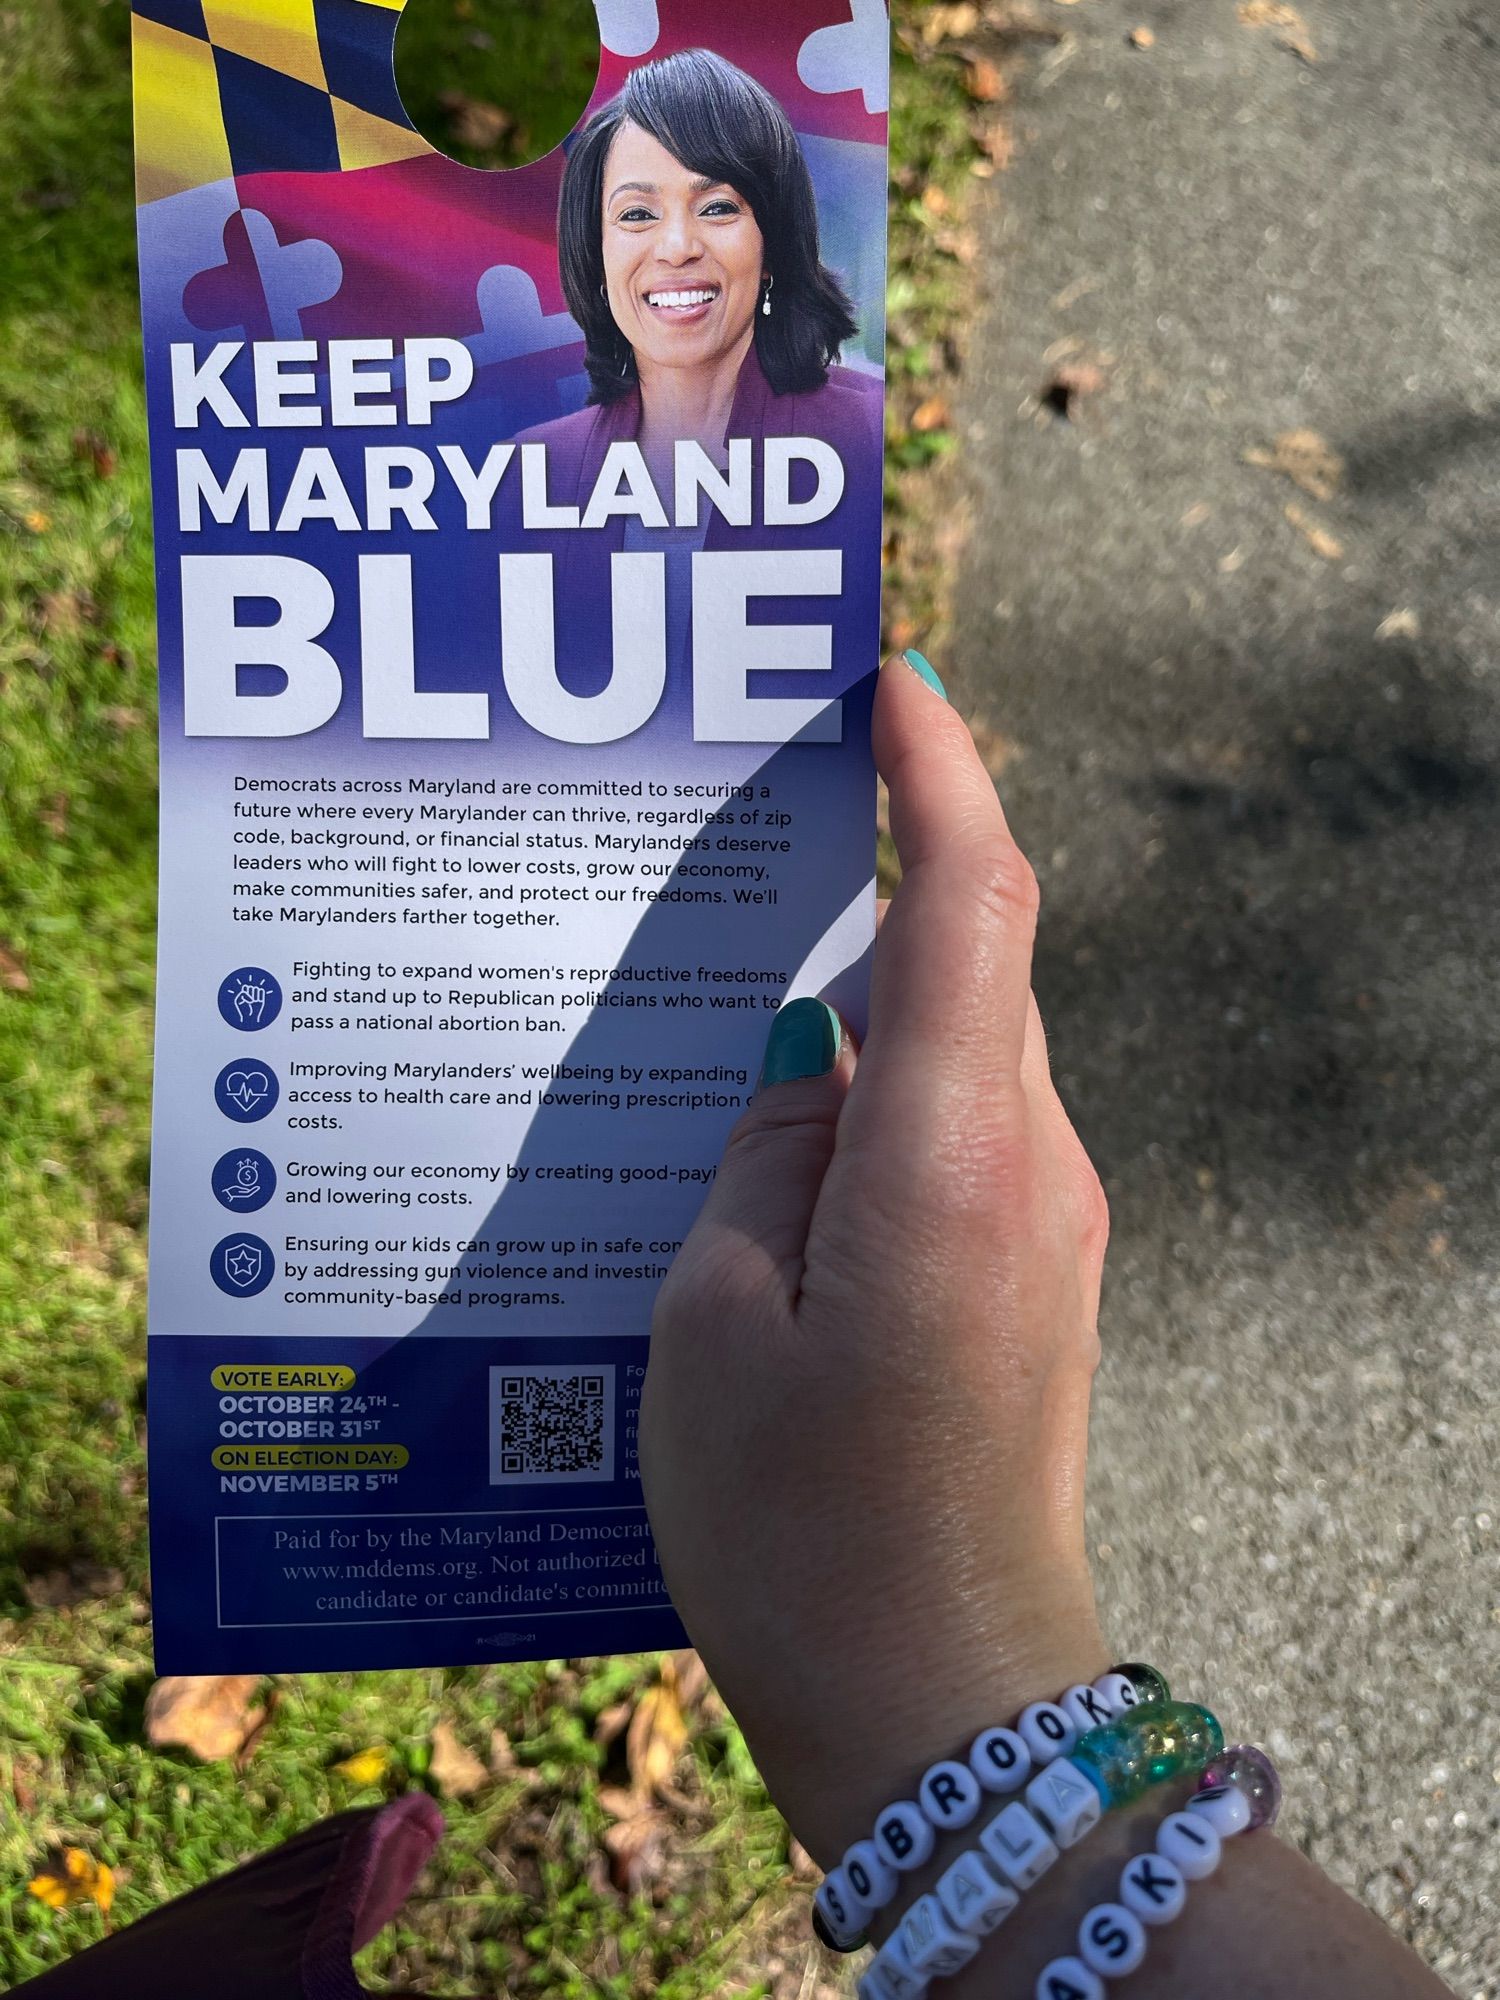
972 1898
902 1979
1192 1841
1226 1810
904 1835
1153 1887
870 1876
1065 1800
1118 1690
1000 1760
836 1905
871 1983
950 1794
1085 1707
1019 1845
930 1944
1047 1730
1111 1940
1069 1979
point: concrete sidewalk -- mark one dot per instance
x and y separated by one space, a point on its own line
1257 764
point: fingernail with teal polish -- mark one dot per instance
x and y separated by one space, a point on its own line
804 1041
924 669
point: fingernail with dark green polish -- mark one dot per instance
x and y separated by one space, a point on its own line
804 1041
924 669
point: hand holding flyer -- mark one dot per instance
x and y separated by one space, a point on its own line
518 547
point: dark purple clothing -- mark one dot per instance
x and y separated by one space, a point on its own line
845 412
282 1927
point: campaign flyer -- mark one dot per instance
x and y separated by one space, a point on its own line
518 562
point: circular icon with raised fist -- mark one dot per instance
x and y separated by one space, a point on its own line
250 998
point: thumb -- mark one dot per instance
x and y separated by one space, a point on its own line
760 1207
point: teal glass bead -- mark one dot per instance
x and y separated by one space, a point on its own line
1147 1682
1145 1746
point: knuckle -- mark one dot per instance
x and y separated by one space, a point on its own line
1005 882
1094 1217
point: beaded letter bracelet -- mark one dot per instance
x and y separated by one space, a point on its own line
951 1793
1239 1792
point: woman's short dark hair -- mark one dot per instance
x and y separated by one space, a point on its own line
722 124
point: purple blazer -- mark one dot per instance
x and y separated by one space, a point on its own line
846 412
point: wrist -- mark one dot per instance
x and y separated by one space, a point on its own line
1044 1925
933 1709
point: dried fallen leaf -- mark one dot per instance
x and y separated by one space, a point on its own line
800 1862
13 975
61 1589
934 200
209 1714
455 1770
37 521
997 143
65 612
949 23
1403 624
983 81
1329 547
89 445
1069 385
365 1767
1306 458
610 1721
74 1877
122 719
502 1757
473 122
635 1847
1142 38
54 814
931 415
258 1729
657 1733
1291 31
692 1678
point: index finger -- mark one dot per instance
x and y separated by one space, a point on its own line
951 987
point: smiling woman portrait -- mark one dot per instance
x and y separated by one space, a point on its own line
689 254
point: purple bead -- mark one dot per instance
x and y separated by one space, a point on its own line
1250 1771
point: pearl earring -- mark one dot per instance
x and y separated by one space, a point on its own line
765 304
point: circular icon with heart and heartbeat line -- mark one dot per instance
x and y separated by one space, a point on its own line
246 1091
242 1265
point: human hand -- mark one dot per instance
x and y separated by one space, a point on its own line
865 1416
250 1000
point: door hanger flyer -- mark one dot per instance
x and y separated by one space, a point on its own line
518 550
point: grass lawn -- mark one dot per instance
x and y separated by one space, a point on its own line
527 1895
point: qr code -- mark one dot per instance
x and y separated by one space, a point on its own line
551 1423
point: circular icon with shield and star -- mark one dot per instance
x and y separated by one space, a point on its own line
246 1091
242 1266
